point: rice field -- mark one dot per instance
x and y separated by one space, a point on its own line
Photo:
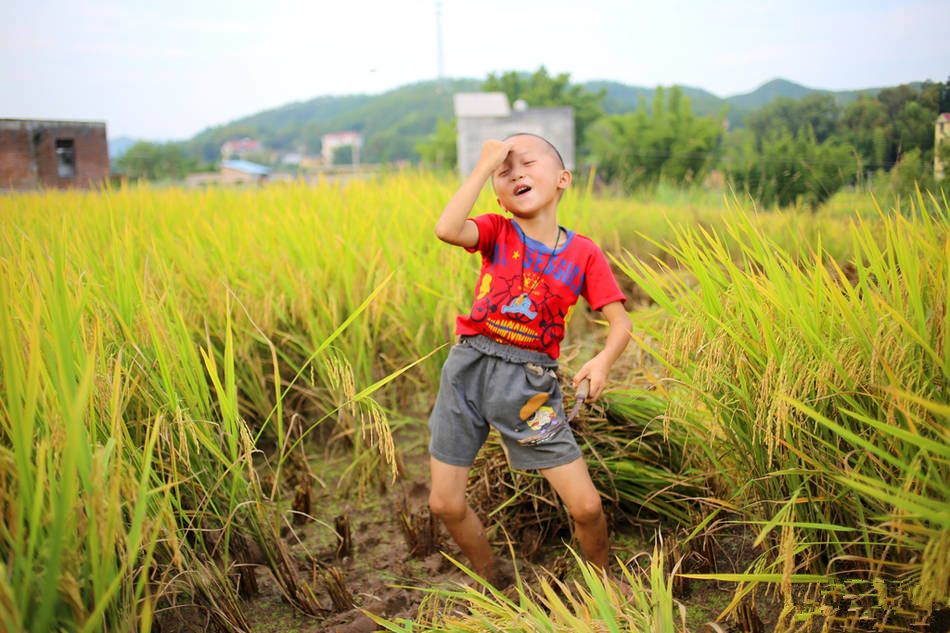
183 371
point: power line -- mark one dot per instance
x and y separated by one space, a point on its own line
759 158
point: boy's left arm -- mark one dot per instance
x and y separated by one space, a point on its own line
618 335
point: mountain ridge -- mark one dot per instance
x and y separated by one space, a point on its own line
394 121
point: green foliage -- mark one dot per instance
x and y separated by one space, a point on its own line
896 121
915 172
784 114
440 150
827 391
150 161
164 338
865 125
640 600
542 90
880 129
943 152
834 138
790 170
909 173
666 142
342 155
914 127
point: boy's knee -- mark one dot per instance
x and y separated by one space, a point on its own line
447 509
588 509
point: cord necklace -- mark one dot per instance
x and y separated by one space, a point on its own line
527 291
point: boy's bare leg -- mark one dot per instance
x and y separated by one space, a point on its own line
447 501
573 485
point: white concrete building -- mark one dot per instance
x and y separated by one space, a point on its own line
484 115
329 143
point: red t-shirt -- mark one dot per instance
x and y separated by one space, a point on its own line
531 314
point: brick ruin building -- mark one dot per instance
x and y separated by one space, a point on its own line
61 154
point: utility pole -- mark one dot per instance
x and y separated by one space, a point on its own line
440 61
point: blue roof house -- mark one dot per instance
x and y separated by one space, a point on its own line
235 171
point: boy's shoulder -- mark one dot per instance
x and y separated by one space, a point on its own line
582 239
583 242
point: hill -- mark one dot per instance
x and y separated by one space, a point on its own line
624 97
393 122
771 90
120 145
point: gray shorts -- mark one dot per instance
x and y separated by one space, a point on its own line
485 382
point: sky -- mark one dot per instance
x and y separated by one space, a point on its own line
166 70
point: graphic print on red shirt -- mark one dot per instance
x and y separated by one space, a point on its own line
525 292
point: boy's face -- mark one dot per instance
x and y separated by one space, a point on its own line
531 178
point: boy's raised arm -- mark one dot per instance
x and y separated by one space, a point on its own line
452 227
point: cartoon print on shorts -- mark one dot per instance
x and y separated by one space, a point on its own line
541 418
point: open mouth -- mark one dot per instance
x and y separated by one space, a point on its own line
522 189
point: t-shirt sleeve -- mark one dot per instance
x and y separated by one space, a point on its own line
488 228
600 285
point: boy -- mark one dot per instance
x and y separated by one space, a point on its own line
502 371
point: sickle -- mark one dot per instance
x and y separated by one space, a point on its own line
583 390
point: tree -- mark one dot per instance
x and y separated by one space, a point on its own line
668 141
865 126
151 161
943 104
342 155
790 170
915 171
542 90
914 127
896 121
439 150
818 111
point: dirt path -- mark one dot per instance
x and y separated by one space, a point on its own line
381 564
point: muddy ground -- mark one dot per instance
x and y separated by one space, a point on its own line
380 564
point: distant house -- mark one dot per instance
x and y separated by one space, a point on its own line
941 135
484 115
292 158
239 148
37 153
311 162
233 172
330 142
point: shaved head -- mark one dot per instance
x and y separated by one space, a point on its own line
547 143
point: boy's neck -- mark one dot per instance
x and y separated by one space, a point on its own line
543 228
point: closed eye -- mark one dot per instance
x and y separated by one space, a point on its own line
503 173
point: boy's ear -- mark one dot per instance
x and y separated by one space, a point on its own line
564 179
